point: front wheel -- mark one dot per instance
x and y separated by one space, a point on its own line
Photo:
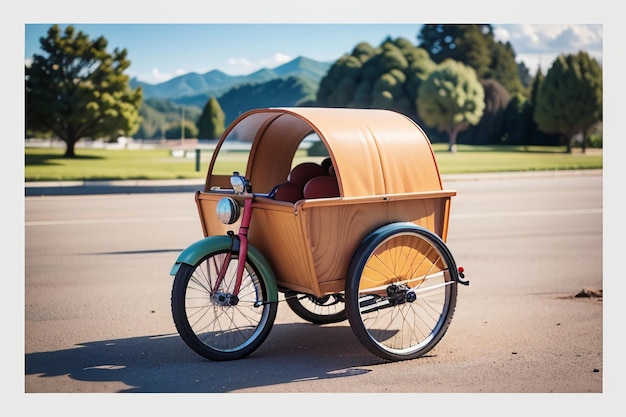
214 321
401 291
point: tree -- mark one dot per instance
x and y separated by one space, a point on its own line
420 67
387 91
535 136
490 129
469 44
211 121
515 125
476 47
569 99
451 99
77 90
504 69
337 88
385 77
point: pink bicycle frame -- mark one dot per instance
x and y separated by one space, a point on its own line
242 235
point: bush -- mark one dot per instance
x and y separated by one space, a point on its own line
318 149
595 140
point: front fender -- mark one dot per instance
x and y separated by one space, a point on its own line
197 250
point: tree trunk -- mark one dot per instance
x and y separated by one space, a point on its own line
452 134
69 148
569 144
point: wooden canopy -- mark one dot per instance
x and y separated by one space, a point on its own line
374 152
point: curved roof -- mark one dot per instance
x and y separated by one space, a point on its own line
374 152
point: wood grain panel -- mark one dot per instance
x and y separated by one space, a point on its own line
334 232
278 234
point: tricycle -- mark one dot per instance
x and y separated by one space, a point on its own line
339 213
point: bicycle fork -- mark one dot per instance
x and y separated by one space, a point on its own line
240 246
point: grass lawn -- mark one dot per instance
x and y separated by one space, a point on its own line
473 159
48 164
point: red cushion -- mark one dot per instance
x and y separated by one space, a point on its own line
300 174
321 187
288 192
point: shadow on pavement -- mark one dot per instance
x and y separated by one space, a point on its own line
164 364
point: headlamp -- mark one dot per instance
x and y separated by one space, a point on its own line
227 210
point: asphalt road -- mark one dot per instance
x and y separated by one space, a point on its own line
97 314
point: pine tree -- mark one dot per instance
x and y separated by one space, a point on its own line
211 121
569 99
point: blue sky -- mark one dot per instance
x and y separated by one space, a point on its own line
159 52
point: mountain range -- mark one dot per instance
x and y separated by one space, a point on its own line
290 84
216 82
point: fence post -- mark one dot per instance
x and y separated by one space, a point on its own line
197 159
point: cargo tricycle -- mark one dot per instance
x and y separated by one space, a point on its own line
339 214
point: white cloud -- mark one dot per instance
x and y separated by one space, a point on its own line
156 76
275 60
551 38
239 66
539 45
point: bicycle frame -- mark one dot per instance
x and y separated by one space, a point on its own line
242 237
241 187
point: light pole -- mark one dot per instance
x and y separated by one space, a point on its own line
182 125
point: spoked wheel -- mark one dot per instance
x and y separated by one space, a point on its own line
318 310
215 322
400 291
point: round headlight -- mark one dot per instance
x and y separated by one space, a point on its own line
227 210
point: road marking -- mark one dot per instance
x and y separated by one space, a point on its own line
560 212
110 221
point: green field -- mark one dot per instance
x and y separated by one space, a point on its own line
48 164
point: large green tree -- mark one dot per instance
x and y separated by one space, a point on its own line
211 121
451 99
569 99
469 44
387 77
75 89
476 47
535 136
337 88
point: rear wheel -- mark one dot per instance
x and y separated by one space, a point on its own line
213 321
400 291
317 310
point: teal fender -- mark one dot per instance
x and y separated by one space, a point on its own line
197 250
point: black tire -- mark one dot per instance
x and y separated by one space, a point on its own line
325 310
209 324
401 291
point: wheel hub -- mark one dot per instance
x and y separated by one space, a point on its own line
400 294
224 299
